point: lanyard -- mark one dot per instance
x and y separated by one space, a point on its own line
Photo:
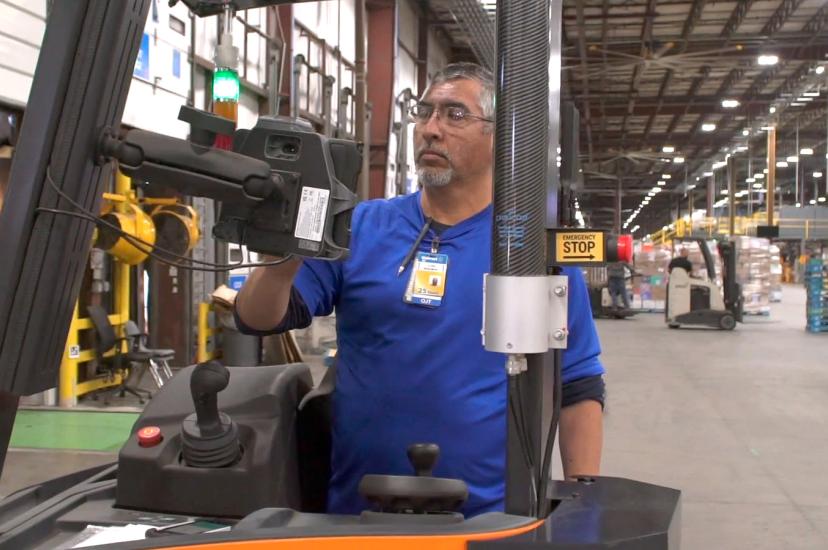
410 256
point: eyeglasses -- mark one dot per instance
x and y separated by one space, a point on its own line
453 115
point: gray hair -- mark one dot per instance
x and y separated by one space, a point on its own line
471 71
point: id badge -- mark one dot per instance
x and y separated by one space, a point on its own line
427 284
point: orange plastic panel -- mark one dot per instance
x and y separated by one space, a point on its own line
431 542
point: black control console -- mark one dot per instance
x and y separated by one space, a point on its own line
284 189
237 453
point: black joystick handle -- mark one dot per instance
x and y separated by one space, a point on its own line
205 384
423 457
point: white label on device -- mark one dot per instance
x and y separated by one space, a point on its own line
313 209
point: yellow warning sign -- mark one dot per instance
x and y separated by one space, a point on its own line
579 247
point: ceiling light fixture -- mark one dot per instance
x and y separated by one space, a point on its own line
730 103
806 151
707 174
793 159
708 127
821 199
668 149
819 70
757 186
817 174
750 180
772 109
662 183
745 132
678 160
759 176
767 60
781 164
667 176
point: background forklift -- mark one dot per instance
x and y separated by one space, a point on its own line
693 301
600 299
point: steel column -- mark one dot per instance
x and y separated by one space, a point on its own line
769 199
382 57
731 194
711 192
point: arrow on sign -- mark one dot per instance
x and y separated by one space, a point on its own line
590 257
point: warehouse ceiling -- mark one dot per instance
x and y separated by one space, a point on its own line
651 80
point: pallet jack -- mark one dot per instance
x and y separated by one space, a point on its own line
237 458
692 301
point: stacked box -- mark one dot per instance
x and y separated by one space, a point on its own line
753 272
816 285
650 288
775 274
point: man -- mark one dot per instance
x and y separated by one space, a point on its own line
617 283
681 261
409 372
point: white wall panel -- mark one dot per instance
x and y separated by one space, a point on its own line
332 21
437 54
154 110
22 24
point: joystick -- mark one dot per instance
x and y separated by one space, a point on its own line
418 494
423 457
210 438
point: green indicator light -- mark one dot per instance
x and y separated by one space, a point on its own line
226 86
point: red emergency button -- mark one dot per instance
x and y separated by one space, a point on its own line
625 248
149 436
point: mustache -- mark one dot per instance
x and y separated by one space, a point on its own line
433 150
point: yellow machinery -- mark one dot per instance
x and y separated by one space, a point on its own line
171 226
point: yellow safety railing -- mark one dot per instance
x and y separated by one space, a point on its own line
206 334
744 225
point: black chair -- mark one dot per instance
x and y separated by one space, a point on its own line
158 362
108 341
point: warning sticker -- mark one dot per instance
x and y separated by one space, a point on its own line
74 352
313 209
579 247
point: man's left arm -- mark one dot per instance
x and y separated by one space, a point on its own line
581 425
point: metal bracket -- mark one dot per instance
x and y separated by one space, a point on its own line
525 314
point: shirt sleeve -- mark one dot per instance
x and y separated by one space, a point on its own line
580 358
314 294
319 283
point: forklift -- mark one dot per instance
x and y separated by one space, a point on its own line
696 301
238 457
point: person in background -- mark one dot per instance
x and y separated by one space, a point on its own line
681 261
617 283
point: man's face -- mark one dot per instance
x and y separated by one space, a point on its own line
684 252
447 151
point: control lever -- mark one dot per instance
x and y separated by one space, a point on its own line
423 457
420 494
210 438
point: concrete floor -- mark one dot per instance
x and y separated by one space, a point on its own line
736 420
